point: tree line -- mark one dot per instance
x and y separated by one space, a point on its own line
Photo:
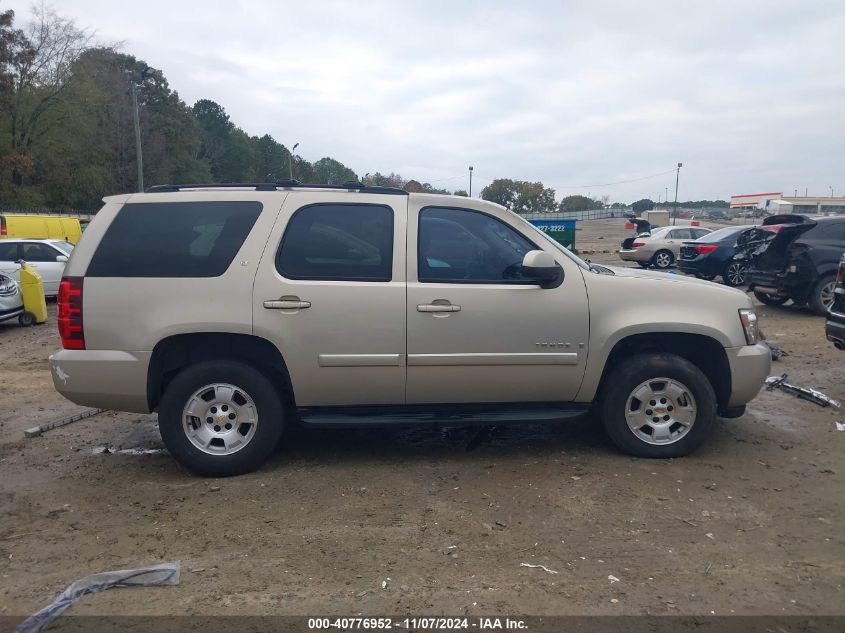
67 131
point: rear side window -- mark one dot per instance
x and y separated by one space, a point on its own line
38 252
173 239
348 242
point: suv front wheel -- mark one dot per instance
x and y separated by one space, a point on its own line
657 405
220 418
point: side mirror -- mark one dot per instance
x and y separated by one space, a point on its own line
542 268
61 259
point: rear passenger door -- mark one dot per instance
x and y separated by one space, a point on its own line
330 294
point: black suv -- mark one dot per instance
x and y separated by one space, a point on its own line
794 257
835 327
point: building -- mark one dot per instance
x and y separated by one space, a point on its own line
801 204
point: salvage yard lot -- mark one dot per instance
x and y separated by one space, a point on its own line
410 521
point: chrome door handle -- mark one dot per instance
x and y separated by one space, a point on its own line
287 303
438 307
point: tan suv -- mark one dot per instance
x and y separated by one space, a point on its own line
233 310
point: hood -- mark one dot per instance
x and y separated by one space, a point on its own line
670 277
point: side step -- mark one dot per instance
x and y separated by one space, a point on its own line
442 414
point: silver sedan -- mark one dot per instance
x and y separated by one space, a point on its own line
661 248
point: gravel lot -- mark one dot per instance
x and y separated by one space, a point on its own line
411 522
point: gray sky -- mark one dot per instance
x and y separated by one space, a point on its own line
749 95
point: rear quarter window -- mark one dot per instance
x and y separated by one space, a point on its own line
173 239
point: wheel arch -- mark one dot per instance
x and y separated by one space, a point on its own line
174 353
703 351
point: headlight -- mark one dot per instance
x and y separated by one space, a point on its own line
749 324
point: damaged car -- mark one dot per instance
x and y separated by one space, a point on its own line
794 257
835 326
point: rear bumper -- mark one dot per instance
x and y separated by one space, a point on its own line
835 329
702 266
634 255
750 365
104 379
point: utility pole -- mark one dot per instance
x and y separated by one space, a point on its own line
290 162
138 156
675 207
470 181
137 120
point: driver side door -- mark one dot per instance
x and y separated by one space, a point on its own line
477 331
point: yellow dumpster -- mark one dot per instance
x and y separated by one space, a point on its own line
32 289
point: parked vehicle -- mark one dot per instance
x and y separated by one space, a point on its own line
712 256
11 301
794 257
661 248
234 310
57 227
47 257
835 326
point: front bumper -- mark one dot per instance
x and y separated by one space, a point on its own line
104 379
634 255
10 313
750 365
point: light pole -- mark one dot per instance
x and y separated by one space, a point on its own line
831 191
139 158
666 197
290 162
675 206
470 181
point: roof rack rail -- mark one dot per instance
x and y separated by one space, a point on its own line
353 185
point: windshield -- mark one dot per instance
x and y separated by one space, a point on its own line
65 247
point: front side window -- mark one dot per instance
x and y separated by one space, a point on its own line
38 252
343 242
173 239
463 246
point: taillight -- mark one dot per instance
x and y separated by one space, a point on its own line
840 277
71 330
637 244
705 248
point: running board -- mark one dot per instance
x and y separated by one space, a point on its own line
442 414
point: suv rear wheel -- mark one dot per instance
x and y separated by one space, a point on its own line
657 405
821 296
220 418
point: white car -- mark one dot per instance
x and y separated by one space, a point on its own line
11 302
48 257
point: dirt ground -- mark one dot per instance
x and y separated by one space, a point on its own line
411 522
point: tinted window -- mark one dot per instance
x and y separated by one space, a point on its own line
680 234
8 251
696 233
351 242
37 252
457 245
173 239
826 230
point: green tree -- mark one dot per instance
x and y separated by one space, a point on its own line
520 196
642 205
271 159
579 203
332 172
462 193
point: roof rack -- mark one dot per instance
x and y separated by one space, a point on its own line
352 185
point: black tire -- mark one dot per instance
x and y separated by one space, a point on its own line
734 273
770 300
26 319
659 256
821 296
632 372
268 429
